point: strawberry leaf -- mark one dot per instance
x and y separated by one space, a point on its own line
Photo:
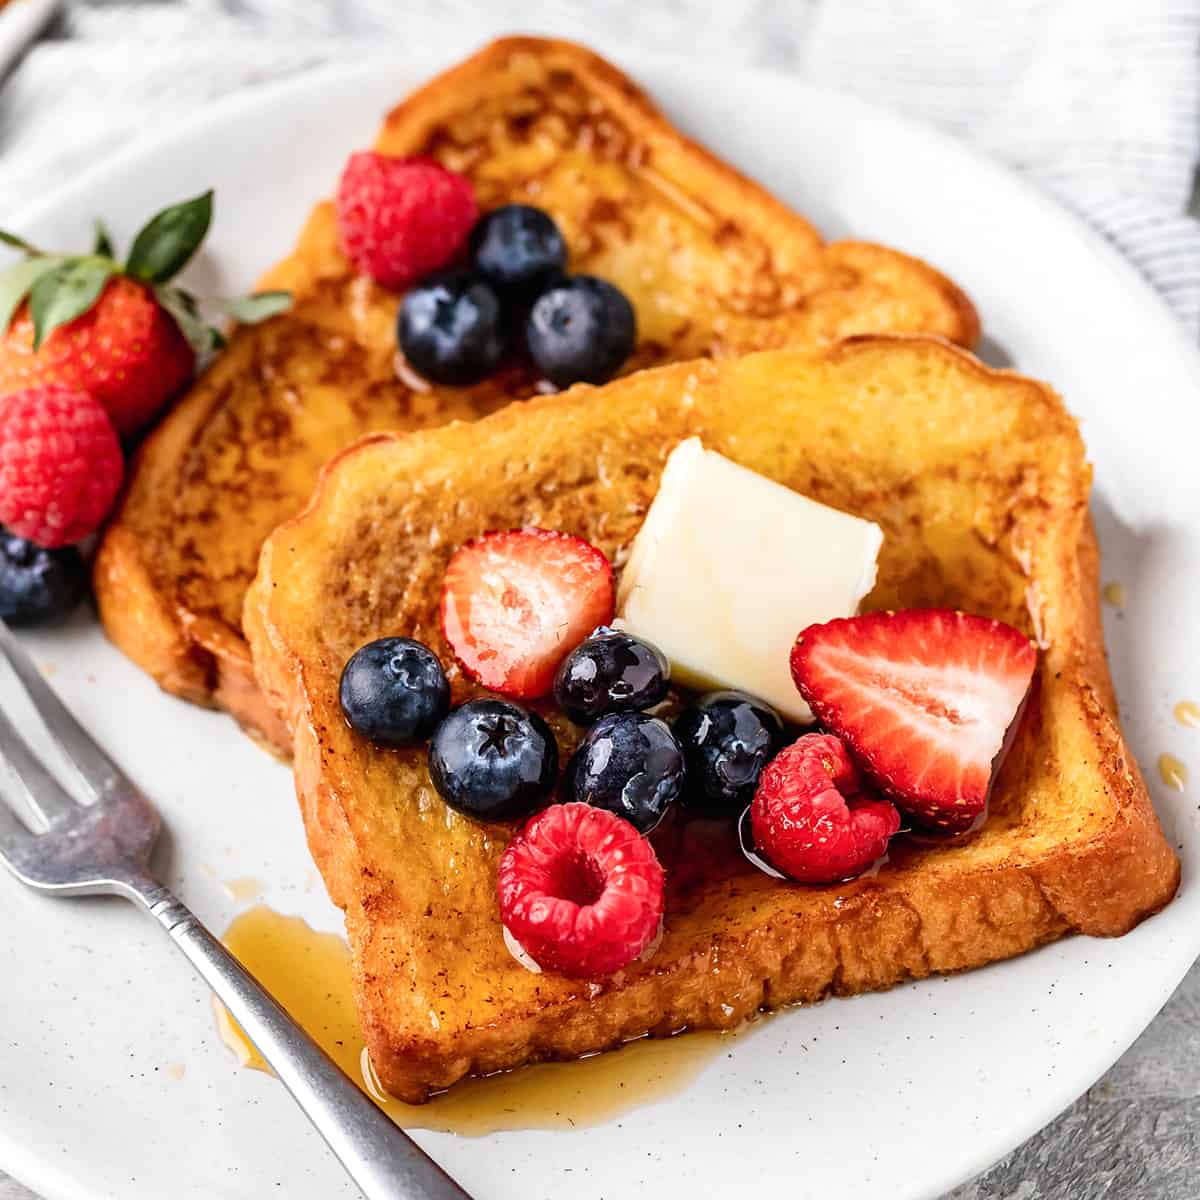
17 243
168 241
250 310
66 292
104 243
182 306
16 282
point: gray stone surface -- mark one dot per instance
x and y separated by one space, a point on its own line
1136 1134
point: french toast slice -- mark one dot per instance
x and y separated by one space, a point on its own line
712 263
979 481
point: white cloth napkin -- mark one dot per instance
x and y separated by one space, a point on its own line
1098 101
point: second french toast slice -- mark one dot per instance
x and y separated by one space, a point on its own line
713 264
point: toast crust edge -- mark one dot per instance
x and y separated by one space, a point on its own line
1102 886
207 662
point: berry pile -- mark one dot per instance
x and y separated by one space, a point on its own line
517 610
91 350
916 706
581 891
411 224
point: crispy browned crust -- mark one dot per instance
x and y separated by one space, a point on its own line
172 570
979 480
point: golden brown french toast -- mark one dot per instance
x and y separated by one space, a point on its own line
979 482
712 263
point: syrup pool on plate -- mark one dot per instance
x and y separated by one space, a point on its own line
309 974
1172 772
244 889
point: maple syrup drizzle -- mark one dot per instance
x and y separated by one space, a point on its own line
1172 772
1114 594
243 889
309 974
1187 712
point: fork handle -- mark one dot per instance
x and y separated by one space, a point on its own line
383 1160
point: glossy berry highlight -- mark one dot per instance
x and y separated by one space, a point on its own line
394 691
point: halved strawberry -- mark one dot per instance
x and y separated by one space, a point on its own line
517 602
923 699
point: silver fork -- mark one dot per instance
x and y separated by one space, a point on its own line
103 847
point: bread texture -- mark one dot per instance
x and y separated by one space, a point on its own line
713 264
980 483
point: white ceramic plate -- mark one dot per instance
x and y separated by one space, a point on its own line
898 1095
20 22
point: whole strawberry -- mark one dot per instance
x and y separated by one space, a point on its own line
122 332
126 351
400 218
60 465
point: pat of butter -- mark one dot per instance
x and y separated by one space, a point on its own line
729 567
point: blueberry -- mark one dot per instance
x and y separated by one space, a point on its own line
519 250
580 331
394 691
451 328
630 764
38 586
610 672
493 760
727 739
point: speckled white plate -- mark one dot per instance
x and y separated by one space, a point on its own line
898 1095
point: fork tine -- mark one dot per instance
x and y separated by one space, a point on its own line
95 769
12 829
44 795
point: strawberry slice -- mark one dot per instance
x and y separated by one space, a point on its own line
517 602
923 699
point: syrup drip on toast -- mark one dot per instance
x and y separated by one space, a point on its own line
309 974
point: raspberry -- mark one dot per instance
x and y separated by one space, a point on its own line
581 891
400 218
812 819
60 464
